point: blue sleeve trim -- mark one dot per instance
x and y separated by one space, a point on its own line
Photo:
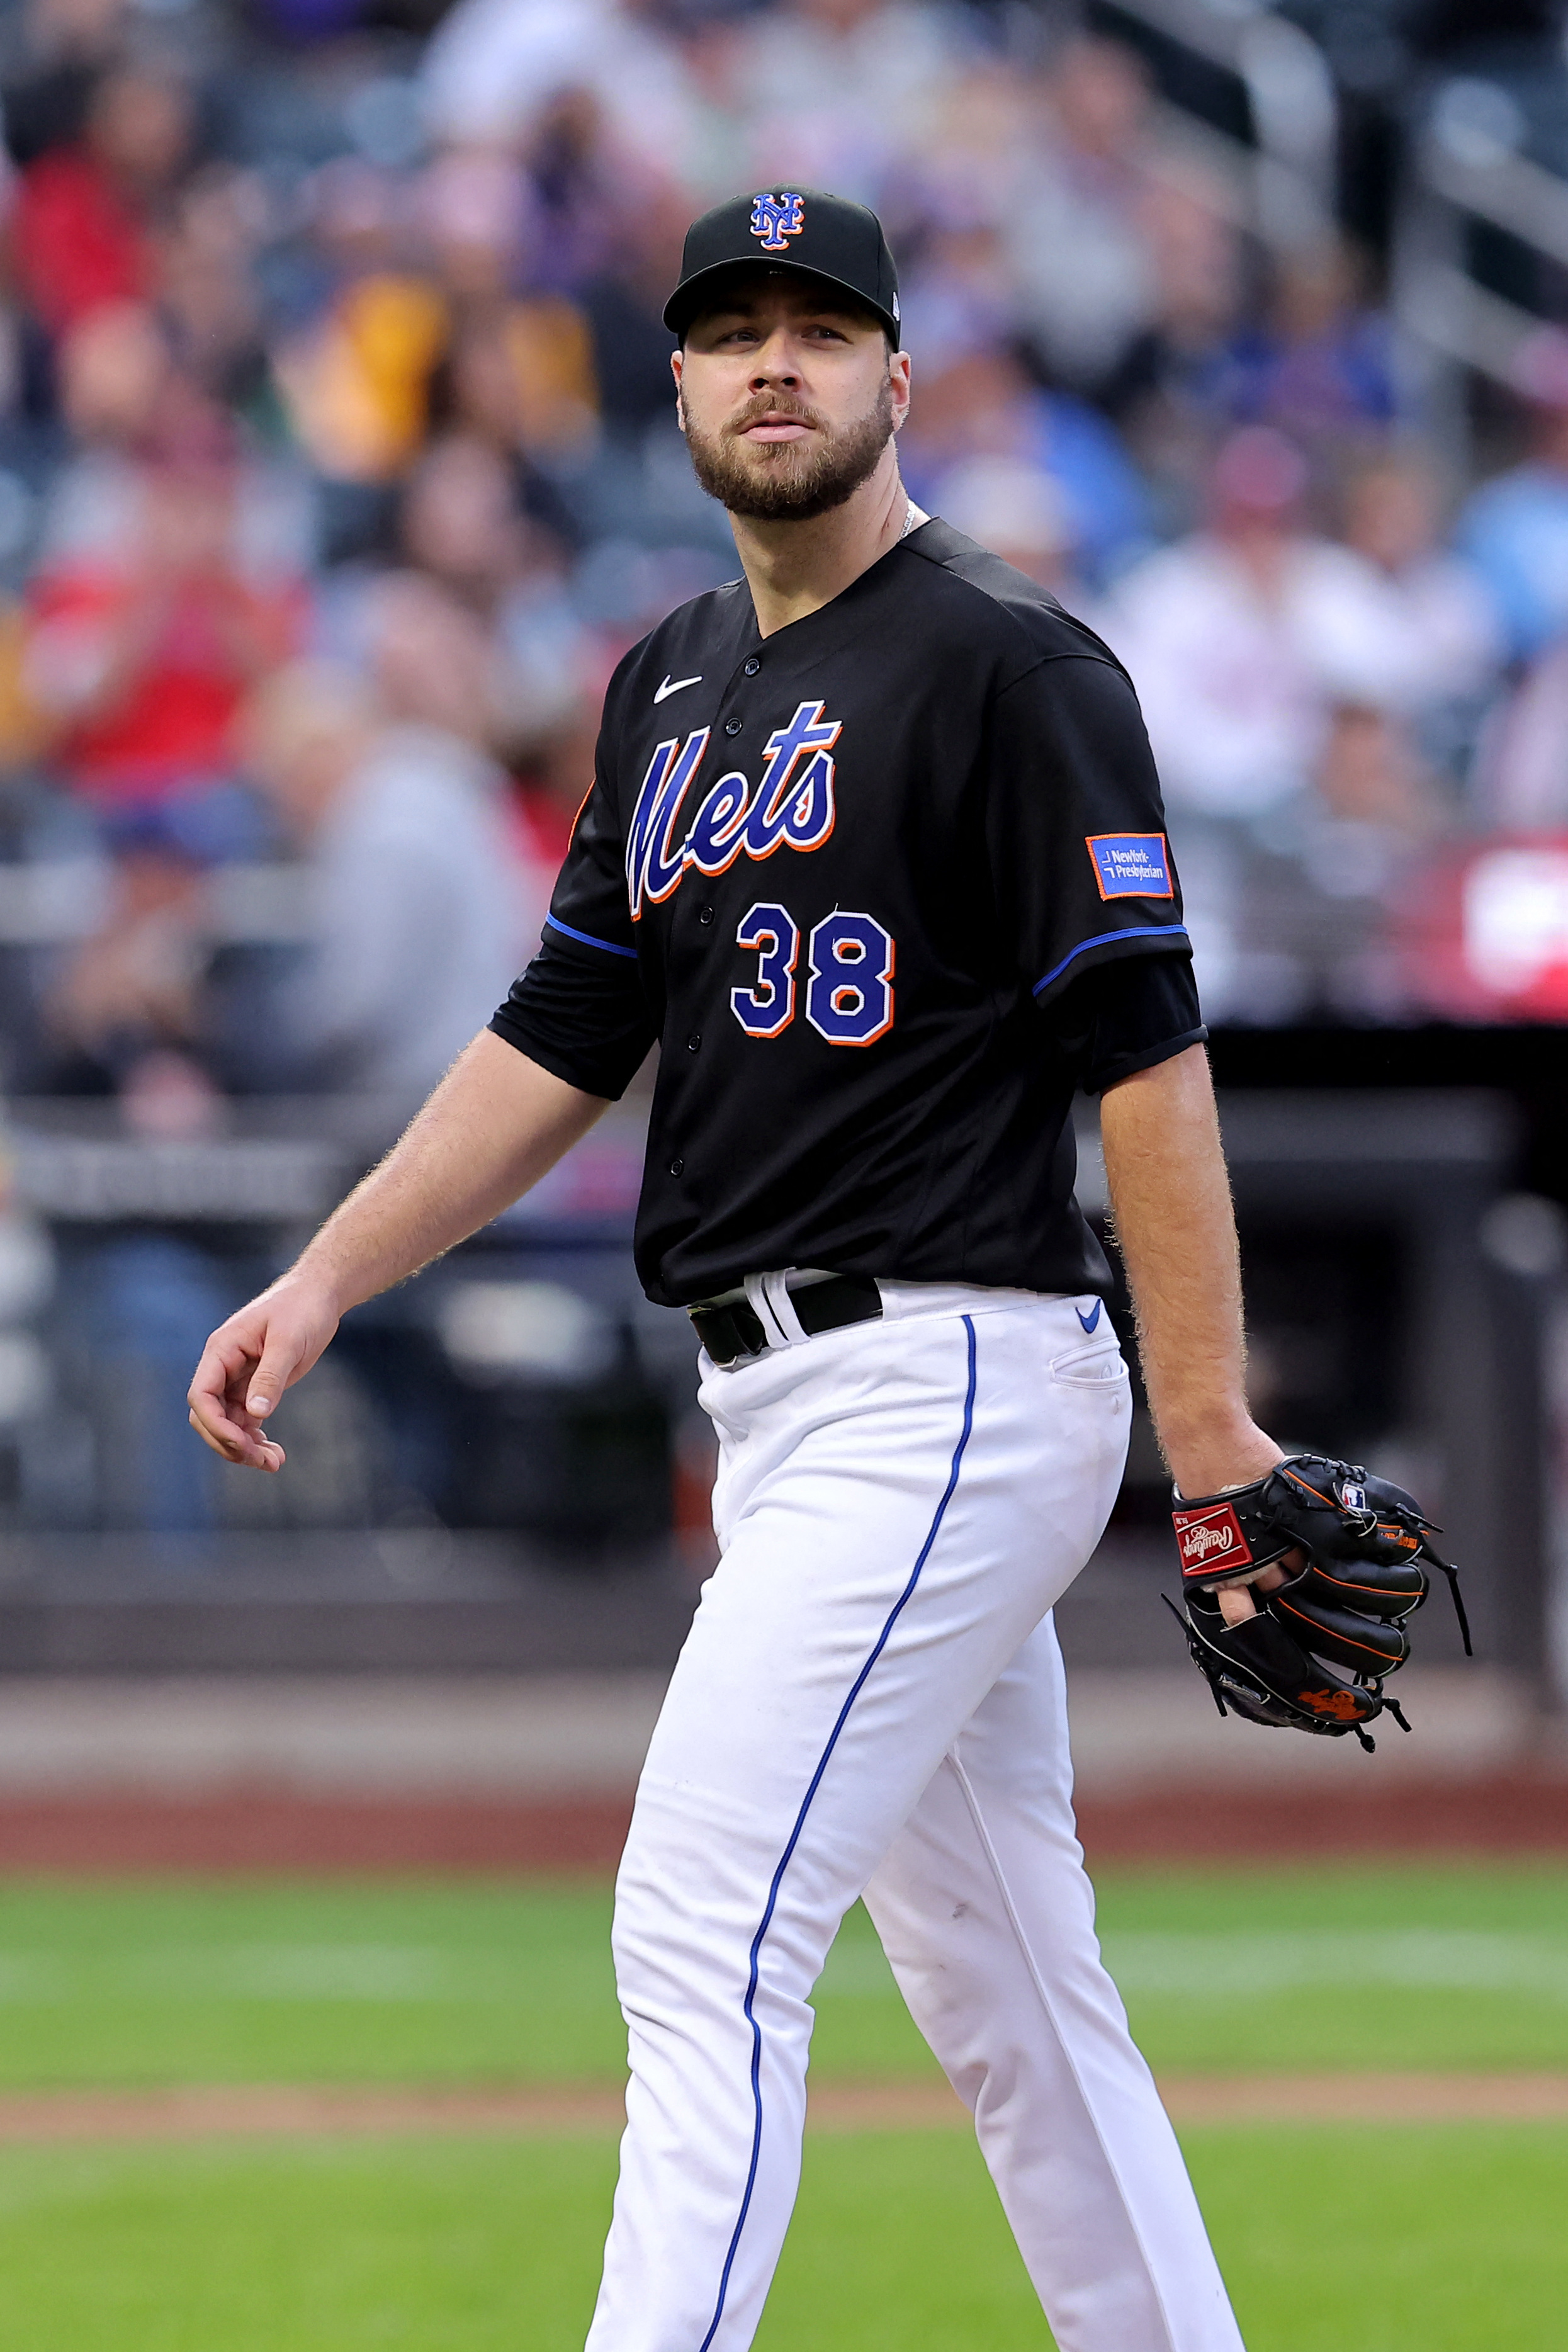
1103 939
588 939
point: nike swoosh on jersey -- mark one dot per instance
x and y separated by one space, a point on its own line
1089 1320
673 685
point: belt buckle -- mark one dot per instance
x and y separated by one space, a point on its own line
741 1352
745 1354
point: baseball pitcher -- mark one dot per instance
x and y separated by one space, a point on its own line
874 852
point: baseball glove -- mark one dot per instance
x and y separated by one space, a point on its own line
1356 1552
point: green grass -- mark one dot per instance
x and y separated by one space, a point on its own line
255 1982
1323 1968
1384 2241
1378 2240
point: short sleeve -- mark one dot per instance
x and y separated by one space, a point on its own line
1126 1016
1081 866
589 904
580 1009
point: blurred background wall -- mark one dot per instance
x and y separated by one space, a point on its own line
337 469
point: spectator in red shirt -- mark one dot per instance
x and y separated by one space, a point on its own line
80 229
142 653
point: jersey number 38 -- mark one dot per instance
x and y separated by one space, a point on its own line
848 978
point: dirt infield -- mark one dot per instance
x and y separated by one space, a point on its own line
267 1830
262 1830
1515 1812
266 2111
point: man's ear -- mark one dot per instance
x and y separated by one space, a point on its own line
677 362
898 372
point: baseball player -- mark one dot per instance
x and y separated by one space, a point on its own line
875 852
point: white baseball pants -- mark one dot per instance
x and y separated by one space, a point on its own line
871 1700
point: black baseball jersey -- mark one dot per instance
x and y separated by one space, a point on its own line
885 887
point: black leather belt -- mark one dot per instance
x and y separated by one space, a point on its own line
730 1333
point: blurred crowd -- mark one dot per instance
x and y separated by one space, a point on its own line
338 466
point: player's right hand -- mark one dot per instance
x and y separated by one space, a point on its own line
249 1361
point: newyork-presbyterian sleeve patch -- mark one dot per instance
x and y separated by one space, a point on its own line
1131 865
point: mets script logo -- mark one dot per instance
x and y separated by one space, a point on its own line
792 807
776 219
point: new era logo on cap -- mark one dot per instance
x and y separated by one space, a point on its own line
776 219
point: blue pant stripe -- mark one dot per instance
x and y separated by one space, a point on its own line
784 1860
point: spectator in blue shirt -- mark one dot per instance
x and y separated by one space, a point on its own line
1514 529
984 404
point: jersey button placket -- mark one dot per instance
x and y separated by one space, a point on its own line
677 1166
732 726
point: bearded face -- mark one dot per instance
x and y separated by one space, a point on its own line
787 482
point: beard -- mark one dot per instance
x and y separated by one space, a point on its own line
788 481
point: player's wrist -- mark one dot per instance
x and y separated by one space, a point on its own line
1216 1452
311 1290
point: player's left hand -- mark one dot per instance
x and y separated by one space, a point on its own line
1222 1465
1338 1558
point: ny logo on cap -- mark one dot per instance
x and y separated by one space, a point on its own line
776 219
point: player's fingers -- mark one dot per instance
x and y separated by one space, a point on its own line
225 1360
231 1436
1239 1601
252 1449
280 1360
219 1440
216 1398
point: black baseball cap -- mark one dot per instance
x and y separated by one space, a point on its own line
798 230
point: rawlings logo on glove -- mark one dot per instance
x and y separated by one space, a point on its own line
1210 1540
1356 1546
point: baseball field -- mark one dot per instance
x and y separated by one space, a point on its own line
245 2116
